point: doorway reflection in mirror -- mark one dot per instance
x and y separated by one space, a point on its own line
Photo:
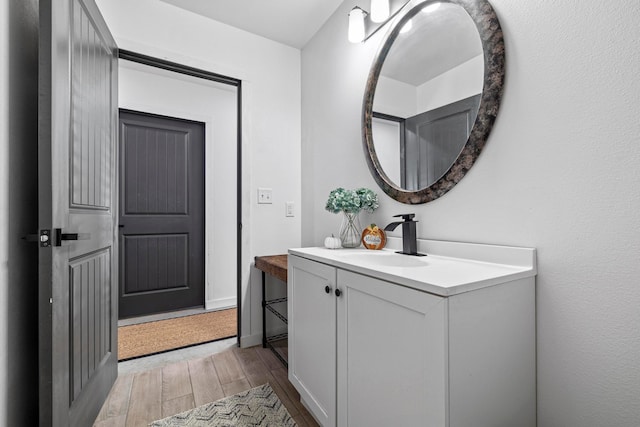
427 96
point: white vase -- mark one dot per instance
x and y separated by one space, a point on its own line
350 230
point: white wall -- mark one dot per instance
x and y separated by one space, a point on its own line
214 104
405 100
387 140
18 212
460 82
270 73
395 98
559 173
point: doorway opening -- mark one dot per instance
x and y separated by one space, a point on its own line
163 101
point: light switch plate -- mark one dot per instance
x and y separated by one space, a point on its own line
265 196
289 209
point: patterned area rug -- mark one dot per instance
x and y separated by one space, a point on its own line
258 407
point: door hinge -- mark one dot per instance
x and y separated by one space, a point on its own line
44 238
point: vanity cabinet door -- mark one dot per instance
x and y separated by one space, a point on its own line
392 354
312 336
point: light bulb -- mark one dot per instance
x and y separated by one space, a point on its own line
379 10
407 27
356 25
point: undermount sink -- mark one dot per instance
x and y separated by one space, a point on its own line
385 259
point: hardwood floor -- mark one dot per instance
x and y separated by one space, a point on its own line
140 398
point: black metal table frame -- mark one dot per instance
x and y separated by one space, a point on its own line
268 305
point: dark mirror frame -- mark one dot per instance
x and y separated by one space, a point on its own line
486 20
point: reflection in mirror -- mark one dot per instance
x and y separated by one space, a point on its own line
427 95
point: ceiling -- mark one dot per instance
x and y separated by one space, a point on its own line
292 22
438 42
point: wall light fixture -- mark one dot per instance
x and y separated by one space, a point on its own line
363 25
356 25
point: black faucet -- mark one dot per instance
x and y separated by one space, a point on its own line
409 240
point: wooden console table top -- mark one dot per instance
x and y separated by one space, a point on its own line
274 265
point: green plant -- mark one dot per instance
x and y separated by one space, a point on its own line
352 201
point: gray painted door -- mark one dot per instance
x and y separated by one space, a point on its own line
161 214
434 139
77 188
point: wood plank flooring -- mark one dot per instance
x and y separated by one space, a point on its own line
140 398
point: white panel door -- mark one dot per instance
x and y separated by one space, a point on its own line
392 354
312 336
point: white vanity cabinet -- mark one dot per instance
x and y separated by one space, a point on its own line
378 353
311 310
389 341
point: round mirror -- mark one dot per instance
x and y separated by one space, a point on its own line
432 96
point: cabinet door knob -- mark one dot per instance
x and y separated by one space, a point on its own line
338 292
327 289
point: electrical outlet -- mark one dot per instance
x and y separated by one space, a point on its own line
265 196
289 206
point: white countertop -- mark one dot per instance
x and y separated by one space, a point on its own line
450 268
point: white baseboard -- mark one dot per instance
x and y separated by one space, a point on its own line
219 304
251 340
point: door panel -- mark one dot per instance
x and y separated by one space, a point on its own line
408 371
92 125
77 176
162 214
90 291
155 163
161 262
434 140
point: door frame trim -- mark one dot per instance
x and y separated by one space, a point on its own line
232 81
